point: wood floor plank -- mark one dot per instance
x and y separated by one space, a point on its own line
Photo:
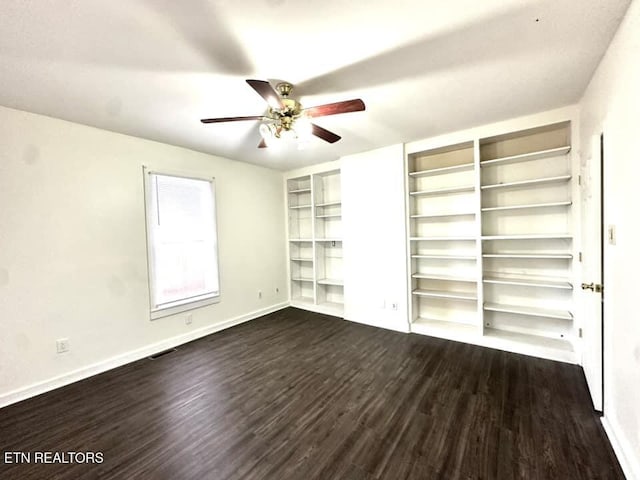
299 395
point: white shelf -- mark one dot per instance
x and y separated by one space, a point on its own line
533 236
532 205
328 204
451 278
300 259
555 348
532 255
331 281
444 191
293 207
444 257
524 157
302 299
528 282
328 240
332 305
528 183
435 239
335 215
431 326
437 171
436 215
300 190
301 279
445 294
530 311
300 240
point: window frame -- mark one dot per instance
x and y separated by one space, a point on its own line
185 304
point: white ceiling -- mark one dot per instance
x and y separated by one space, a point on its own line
153 68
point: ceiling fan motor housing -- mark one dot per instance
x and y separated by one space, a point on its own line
288 114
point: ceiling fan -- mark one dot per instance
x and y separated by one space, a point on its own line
287 117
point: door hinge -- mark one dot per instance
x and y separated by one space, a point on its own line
579 256
579 333
579 179
594 287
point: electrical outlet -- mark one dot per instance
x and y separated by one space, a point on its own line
188 319
62 345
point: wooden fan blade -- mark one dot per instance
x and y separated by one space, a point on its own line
347 106
266 91
262 144
324 134
231 119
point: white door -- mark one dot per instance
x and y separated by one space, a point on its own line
591 295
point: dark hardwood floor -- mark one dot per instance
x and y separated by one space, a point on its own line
297 395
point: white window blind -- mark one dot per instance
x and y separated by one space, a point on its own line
182 240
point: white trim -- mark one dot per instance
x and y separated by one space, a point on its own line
622 449
184 305
20 394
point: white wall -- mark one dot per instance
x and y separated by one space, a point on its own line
73 249
374 238
611 104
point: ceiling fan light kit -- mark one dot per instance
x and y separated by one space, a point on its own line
286 119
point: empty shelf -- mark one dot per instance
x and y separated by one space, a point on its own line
443 191
301 279
436 215
437 171
433 326
300 240
299 206
445 294
328 240
527 282
334 215
332 305
526 183
328 204
533 236
331 281
566 256
300 190
435 239
531 311
444 257
303 299
300 259
532 205
523 157
531 340
451 278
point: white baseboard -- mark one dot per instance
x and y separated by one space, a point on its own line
128 357
629 463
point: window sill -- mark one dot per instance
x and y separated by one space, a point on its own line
175 309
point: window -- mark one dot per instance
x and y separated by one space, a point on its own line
182 243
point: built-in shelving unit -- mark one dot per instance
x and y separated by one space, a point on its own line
315 241
490 236
443 236
527 237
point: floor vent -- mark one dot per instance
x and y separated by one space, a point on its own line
162 354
